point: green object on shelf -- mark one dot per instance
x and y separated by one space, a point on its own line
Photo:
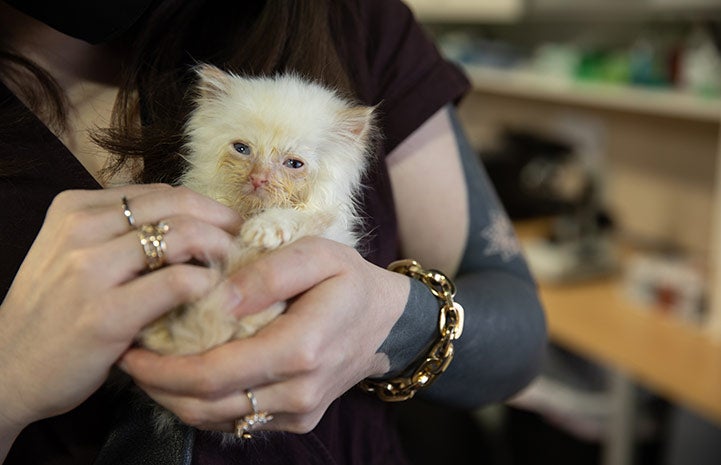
604 66
616 68
590 66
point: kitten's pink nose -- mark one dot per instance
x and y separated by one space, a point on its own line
258 180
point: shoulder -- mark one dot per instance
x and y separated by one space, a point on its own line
396 66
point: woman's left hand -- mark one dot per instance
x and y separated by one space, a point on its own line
343 308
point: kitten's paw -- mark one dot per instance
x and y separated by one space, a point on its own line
267 233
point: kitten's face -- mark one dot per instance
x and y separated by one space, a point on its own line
259 174
274 142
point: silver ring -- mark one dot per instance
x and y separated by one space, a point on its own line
128 214
244 425
252 399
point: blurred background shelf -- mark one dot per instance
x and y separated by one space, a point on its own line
663 102
503 11
467 10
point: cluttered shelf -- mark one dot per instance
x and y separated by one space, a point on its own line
660 68
663 102
676 359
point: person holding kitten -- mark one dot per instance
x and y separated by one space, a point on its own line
100 240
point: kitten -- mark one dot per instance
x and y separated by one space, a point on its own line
286 154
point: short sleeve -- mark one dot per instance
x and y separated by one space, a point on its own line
396 66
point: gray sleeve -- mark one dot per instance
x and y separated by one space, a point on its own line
504 337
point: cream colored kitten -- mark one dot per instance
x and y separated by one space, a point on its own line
285 153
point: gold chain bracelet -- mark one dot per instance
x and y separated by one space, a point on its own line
450 327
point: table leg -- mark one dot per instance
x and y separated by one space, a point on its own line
621 428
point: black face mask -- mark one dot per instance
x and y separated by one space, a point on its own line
94 21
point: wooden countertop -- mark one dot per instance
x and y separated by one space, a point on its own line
674 359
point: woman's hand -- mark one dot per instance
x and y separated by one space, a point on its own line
323 344
82 293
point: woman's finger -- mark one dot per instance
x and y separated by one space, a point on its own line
254 361
154 206
140 301
186 239
295 406
275 277
214 373
71 200
87 217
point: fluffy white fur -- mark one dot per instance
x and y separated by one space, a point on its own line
283 121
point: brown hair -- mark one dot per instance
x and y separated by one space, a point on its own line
277 35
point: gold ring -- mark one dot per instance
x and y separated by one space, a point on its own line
128 214
152 240
244 425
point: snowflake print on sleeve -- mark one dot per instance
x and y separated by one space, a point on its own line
501 238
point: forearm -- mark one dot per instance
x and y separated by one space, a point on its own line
505 334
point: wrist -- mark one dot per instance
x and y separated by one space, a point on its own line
436 360
13 415
9 431
415 330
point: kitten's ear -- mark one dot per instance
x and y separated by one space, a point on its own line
213 82
357 122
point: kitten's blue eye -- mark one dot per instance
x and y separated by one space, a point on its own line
292 163
241 148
